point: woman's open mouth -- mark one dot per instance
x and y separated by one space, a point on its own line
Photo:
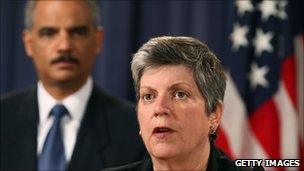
162 132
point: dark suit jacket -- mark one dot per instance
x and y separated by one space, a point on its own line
108 135
218 161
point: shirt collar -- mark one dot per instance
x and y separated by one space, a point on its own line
75 103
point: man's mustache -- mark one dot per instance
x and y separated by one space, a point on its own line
65 58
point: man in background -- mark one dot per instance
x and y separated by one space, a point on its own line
65 122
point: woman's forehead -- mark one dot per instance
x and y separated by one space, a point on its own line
168 75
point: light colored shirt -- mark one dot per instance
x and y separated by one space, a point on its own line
75 104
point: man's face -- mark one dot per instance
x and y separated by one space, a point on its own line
66 29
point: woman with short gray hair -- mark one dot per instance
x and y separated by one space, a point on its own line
180 86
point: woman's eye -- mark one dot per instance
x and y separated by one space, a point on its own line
180 95
147 97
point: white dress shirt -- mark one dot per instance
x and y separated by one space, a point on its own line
75 104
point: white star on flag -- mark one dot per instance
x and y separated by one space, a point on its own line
281 12
243 6
262 43
238 36
257 76
268 8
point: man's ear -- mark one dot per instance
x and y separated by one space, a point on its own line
27 41
216 115
98 39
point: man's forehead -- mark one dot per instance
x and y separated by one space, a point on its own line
61 13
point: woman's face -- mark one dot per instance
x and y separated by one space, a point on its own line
172 112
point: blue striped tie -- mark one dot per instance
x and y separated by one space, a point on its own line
52 156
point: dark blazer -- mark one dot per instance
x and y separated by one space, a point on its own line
218 161
108 135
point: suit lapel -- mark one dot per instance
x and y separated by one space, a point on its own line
24 137
92 136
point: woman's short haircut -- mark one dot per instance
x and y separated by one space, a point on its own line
207 70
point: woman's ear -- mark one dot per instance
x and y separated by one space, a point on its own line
216 115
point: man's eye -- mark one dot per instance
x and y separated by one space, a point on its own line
147 97
81 31
47 32
180 95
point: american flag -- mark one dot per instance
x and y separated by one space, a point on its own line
263 116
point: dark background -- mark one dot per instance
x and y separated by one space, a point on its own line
127 25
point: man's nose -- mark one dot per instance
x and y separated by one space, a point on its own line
64 43
162 106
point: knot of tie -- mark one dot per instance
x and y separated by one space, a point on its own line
58 111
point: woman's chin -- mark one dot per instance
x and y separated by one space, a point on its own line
164 151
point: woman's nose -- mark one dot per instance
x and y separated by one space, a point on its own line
162 106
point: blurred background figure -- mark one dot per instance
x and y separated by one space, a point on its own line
64 121
260 44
